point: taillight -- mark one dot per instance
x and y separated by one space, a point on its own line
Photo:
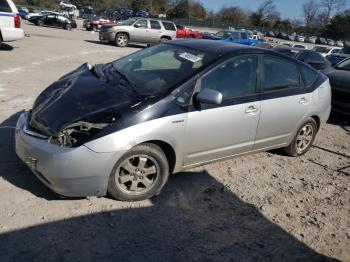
17 21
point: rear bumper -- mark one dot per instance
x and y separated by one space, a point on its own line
74 172
11 34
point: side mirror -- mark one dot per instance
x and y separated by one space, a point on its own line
136 25
209 96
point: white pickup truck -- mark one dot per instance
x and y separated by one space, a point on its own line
10 22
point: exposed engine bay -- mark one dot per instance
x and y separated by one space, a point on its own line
77 134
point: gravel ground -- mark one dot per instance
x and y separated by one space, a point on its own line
262 207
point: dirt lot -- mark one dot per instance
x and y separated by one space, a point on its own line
263 207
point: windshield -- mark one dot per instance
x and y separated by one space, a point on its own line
344 65
129 21
158 69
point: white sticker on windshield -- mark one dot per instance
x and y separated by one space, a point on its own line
190 57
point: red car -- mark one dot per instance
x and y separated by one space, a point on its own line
95 23
185 32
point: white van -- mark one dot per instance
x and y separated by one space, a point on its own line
10 22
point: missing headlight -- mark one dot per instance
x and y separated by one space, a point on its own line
77 134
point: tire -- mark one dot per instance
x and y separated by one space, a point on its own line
68 27
121 40
39 23
139 174
164 39
303 139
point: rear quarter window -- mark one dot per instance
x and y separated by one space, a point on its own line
169 26
309 75
4 6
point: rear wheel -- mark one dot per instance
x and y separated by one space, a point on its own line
164 39
140 174
303 139
39 23
121 40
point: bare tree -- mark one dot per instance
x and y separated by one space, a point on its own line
267 11
310 12
331 7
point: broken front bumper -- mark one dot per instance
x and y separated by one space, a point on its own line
74 172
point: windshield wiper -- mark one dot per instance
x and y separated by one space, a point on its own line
131 84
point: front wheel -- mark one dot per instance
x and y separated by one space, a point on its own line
121 40
68 27
140 174
303 139
39 23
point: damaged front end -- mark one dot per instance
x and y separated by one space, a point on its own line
77 134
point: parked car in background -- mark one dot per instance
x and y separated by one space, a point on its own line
224 34
299 38
339 79
330 42
270 34
324 50
40 13
142 13
314 59
241 37
10 22
207 35
282 35
299 46
87 12
23 12
54 20
139 30
321 40
290 37
339 56
185 32
95 23
165 109
311 39
339 43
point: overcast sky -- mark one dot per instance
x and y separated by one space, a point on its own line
287 8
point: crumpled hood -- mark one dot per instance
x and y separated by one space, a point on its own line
75 96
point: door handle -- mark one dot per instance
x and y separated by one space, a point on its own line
251 109
303 101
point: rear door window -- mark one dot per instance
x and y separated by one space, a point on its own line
154 24
4 6
280 74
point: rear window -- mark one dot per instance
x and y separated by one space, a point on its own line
169 26
4 6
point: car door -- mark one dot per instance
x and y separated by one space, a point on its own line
218 131
284 102
155 31
140 31
50 20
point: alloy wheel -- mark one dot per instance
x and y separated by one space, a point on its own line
304 138
137 174
122 40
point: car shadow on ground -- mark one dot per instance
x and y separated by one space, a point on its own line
6 47
195 218
106 43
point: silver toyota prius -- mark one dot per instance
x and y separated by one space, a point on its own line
124 126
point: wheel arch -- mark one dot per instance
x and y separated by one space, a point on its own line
318 121
168 151
122 32
165 36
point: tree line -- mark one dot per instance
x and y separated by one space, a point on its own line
326 17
